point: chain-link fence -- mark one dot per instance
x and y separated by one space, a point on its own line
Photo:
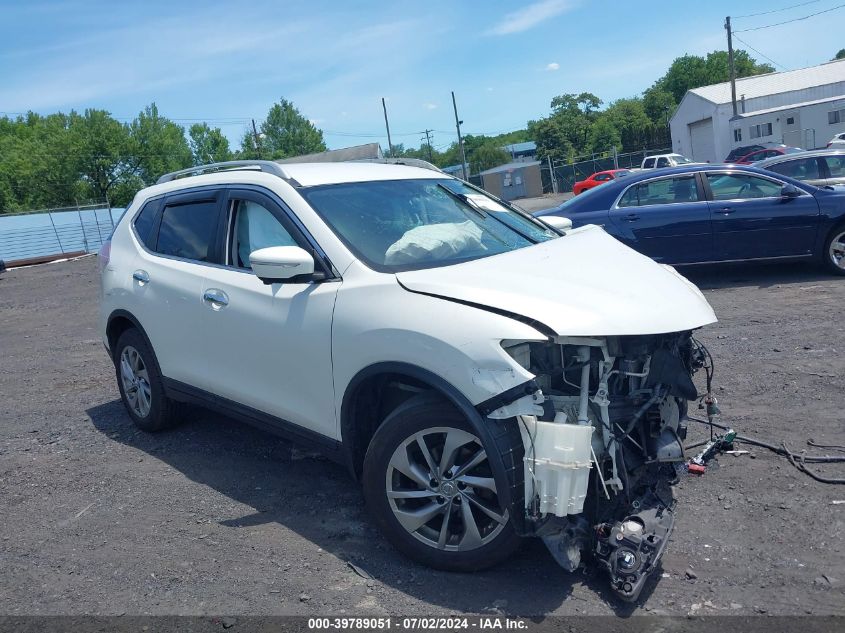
568 173
51 232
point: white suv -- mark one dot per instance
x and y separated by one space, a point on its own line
486 375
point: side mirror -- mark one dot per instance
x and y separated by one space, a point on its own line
281 263
789 191
557 222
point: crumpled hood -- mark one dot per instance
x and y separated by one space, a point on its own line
586 283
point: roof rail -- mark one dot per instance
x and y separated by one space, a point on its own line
267 166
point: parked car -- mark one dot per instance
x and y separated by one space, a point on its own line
437 341
768 152
838 139
701 214
819 167
738 152
665 160
598 178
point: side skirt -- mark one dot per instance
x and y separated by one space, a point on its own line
296 434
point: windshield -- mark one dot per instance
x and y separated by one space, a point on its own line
681 160
396 225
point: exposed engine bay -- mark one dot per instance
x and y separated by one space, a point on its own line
603 432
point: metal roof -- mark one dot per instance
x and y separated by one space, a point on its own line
527 146
791 106
510 167
775 83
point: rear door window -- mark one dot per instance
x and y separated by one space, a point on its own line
189 230
663 191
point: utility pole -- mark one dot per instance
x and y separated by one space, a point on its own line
731 61
460 138
428 142
552 174
255 137
387 125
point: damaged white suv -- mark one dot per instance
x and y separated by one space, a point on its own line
486 376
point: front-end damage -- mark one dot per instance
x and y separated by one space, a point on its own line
602 426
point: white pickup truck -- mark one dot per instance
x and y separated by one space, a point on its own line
665 160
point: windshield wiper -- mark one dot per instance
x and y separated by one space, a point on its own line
463 199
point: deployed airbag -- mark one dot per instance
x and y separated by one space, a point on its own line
438 241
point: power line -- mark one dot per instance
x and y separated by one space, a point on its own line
758 52
794 6
768 26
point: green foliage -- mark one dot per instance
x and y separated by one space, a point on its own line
285 133
693 71
840 54
208 145
64 159
486 156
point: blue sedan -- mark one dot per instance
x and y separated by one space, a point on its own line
716 213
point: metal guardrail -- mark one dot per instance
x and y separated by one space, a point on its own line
67 232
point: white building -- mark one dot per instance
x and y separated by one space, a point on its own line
803 108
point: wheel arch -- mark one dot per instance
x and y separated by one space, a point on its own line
497 436
120 321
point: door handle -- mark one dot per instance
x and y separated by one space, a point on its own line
141 276
632 217
726 211
216 298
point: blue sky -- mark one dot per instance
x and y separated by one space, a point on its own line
227 62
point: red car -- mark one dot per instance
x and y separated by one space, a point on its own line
769 152
598 178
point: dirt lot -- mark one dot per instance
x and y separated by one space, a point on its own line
215 517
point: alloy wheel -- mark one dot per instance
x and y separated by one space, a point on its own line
837 250
136 381
442 491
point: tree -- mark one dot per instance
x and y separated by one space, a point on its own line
208 145
840 54
604 136
159 145
694 71
103 151
659 106
628 117
552 138
284 133
486 156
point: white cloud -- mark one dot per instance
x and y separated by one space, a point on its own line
430 106
530 16
553 66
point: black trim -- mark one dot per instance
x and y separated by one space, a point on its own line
183 392
537 325
481 426
506 397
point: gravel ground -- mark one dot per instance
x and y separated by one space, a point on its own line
218 518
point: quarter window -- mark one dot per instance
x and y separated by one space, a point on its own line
144 223
663 191
803 169
742 187
188 230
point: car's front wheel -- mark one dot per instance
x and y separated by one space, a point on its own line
429 486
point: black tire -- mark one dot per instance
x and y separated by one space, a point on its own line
423 413
831 266
163 412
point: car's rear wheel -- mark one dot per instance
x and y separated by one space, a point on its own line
428 483
141 386
834 250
